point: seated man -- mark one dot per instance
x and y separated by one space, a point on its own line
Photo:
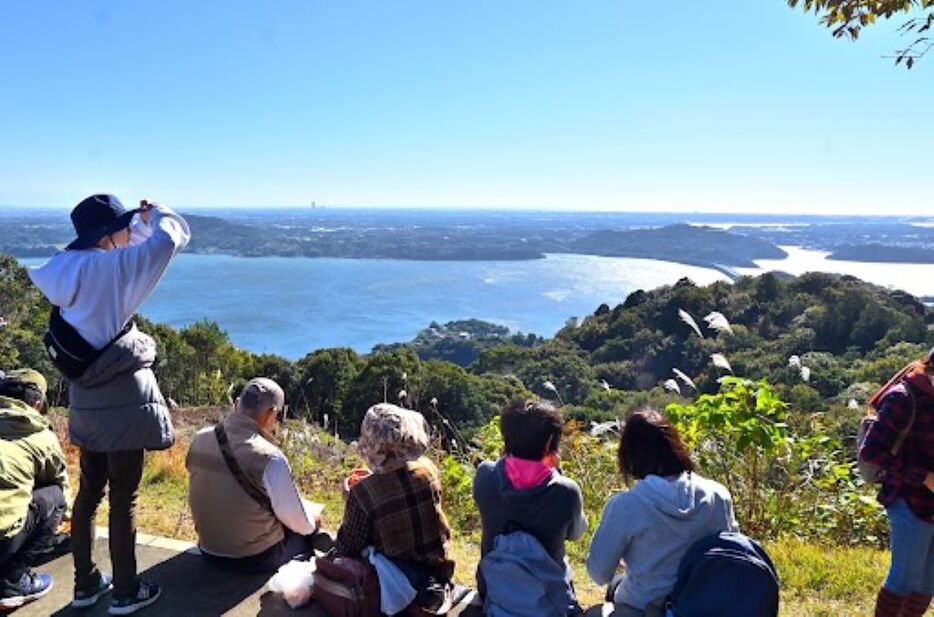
246 508
33 484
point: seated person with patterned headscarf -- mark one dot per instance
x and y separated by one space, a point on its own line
396 509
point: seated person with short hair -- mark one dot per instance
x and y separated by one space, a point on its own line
246 508
649 528
33 485
525 490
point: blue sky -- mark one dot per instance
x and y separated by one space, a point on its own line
721 106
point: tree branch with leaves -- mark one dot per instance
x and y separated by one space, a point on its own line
847 18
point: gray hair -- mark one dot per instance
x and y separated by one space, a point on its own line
258 395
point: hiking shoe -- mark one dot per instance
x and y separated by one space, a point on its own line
88 597
322 542
146 594
29 587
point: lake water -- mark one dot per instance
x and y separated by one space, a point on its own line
916 279
291 306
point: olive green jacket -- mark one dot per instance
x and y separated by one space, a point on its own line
30 458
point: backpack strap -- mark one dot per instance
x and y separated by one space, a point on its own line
234 467
903 434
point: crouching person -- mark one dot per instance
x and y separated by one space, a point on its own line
247 511
396 509
528 509
33 484
649 528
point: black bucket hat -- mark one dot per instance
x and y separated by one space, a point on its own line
96 217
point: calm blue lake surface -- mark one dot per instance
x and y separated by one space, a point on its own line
290 306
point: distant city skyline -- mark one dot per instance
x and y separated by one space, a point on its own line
727 106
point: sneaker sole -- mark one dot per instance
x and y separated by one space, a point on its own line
18 601
128 610
91 601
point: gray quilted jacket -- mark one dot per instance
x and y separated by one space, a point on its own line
116 404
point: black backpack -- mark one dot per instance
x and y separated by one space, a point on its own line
725 574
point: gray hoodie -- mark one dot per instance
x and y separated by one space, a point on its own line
650 527
552 512
99 291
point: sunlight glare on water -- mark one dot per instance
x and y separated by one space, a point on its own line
291 306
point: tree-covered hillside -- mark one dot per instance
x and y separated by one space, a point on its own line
805 352
821 340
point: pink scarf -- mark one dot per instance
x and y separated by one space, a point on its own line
526 474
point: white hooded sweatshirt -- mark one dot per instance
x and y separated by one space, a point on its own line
649 528
98 291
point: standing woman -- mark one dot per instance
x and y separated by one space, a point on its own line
116 410
906 408
650 527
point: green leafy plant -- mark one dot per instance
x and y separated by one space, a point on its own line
784 481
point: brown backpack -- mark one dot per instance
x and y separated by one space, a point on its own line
345 587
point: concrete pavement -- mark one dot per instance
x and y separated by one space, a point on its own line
189 587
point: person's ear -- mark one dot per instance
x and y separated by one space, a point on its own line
549 448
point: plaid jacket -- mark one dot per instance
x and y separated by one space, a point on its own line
905 473
399 514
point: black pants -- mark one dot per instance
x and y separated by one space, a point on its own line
122 472
430 590
270 560
17 554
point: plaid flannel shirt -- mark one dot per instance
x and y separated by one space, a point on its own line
905 472
399 514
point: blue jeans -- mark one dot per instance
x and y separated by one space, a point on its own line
912 569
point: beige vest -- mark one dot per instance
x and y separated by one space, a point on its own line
229 522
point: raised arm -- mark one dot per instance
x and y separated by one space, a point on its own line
140 266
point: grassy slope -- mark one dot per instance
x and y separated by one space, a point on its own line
816 580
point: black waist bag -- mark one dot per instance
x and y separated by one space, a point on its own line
69 352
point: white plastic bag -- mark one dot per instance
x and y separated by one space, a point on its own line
293 581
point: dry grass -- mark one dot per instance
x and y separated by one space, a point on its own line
828 581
